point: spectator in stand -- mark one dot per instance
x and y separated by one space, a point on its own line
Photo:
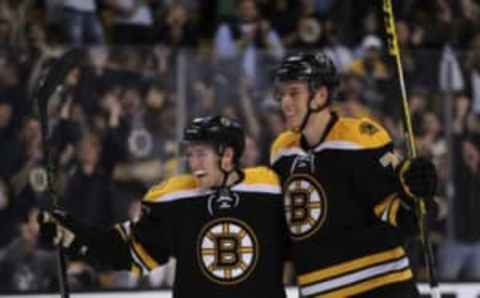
251 157
132 21
283 16
335 49
28 182
472 70
407 52
352 103
81 23
11 83
309 35
24 265
14 16
177 28
7 218
251 40
373 70
87 194
418 99
8 144
430 138
459 256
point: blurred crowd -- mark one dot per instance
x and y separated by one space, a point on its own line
150 65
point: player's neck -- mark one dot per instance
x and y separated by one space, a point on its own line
232 178
316 126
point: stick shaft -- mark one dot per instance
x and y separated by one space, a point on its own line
394 50
51 192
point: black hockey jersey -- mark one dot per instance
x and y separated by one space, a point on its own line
343 212
225 246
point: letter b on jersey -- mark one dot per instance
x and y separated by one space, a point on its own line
227 250
305 205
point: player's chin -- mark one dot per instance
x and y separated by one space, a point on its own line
205 182
293 125
203 179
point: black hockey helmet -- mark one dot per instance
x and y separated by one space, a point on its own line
315 69
220 131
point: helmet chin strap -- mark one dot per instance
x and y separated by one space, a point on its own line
226 173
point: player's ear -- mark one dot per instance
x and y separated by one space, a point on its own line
227 159
320 97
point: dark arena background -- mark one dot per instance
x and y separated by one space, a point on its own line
147 67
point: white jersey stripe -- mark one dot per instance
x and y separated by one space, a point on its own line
183 194
340 145
287 152
263 188
139 262
355 277
187 194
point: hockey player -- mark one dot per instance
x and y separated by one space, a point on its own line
223 224
349 203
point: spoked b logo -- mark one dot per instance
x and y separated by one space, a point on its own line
305 205
227 251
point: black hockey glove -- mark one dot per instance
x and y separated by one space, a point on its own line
418 178
58 228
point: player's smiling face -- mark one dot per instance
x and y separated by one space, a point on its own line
293 96
204 164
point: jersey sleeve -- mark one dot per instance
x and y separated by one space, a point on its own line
138 247
151 237
377 183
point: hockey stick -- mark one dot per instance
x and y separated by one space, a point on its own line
50 87
394 50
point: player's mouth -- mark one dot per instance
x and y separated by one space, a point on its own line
291 118
289 113
200 173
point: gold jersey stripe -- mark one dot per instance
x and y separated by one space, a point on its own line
362 131
261 175
121 232
143 255
349 266
135 270
381 207
392 216
371 284
172 185
284 141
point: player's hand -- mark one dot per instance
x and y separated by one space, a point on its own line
418 178
58 228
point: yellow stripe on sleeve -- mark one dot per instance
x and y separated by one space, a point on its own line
135 270
349 266
120 231
392 214
143 255
381 207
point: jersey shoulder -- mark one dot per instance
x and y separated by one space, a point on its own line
174 185
259 180
359 133
284 143
261 175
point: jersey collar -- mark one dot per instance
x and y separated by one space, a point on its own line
303 141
